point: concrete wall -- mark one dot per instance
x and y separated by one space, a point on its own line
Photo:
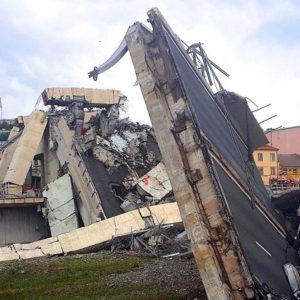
21 225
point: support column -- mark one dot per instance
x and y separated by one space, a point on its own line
192 183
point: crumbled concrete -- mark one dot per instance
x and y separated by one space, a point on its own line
8 253
94 236
27 254
26 148
155 183
61 206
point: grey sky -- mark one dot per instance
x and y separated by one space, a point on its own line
49 43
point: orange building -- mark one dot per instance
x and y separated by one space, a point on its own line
290 165
266 159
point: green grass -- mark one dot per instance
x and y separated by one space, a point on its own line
84 277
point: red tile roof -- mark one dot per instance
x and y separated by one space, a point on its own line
267 147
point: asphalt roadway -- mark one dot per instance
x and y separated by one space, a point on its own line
266 250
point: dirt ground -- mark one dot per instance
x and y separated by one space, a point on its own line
101 275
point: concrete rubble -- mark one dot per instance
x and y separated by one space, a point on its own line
60 204
95 236
77 175
160 241
26 149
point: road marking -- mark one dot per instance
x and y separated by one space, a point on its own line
258 244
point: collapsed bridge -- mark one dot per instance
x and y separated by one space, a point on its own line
77 176
75 165
240 241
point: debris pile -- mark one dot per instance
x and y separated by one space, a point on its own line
159 241
119 187
77 164
98 235
131 158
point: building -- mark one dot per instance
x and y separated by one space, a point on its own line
287 140
290 165
266 159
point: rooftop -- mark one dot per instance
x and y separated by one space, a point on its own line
268 130
267 147
289 160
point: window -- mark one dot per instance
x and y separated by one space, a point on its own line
294 171
273 171
261 171
283 172
260 156
272 156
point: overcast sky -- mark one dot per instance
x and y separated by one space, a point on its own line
54 43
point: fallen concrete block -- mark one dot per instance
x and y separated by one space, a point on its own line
94 236
8 253
26 148
6 249
61 207
8 152
27 254
62 226
16 247
49 246
128 206
95 96
155 183
52 249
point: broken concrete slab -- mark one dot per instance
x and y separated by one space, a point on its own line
94 236
61 206
155 183
48 247
51 162
130 202
59 192
27 254
8 152
68 153
86 154
58 227
26 148
8 253
62 212
95 96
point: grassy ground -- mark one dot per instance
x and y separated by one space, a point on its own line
98 276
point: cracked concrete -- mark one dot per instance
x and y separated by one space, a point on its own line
93 237
61 207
